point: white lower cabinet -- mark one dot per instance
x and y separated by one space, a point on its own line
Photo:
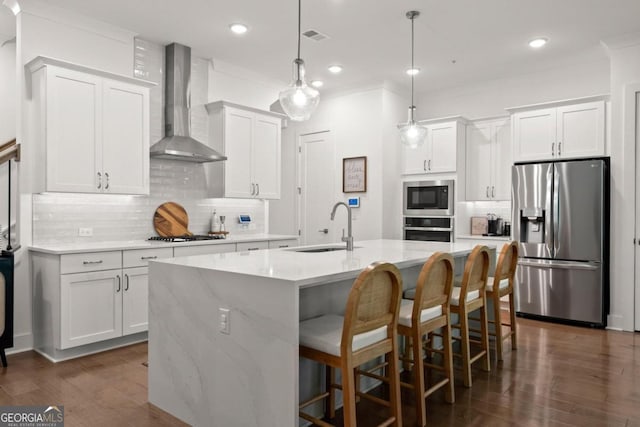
289 243
204 249
135 300
90 307
251 246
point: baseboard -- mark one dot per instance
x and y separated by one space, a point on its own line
615 322
21 343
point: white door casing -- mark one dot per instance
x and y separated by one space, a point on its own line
637 215
317 193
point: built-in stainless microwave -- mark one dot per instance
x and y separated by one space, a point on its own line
428 198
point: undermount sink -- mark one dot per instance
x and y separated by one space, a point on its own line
319 249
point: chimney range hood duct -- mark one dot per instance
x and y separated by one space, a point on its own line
177 143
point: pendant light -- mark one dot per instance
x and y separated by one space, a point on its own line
411 133
299 100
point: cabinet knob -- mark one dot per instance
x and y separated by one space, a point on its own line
559 148
258 189
119 283
424 165
487 192
126 276
106 186
99 180
493 191
429 163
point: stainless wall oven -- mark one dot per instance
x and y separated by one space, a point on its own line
428 198
428 229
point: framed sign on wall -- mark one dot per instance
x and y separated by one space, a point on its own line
354 174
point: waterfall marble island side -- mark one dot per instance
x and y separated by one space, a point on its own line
202 375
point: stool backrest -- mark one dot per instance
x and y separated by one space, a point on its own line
507 262
374 301
476 270
435 283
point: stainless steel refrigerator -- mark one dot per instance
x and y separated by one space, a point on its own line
561 219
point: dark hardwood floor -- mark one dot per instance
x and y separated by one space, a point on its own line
559 376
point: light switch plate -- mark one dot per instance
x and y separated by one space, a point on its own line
85 232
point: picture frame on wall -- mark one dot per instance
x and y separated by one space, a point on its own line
354 174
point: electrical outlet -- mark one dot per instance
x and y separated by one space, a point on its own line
85 232
224 318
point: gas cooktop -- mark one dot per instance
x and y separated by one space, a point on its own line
187 238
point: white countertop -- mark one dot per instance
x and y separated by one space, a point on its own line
307 269
70 248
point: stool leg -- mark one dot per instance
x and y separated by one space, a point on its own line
449 395
418 379
330 376
394 381
464 344
3 356
497 325
348 394
485 337
512 315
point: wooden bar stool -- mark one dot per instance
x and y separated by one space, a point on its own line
469 297
428 312
367 331
499 286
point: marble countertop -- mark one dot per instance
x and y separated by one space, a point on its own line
70 248
307 269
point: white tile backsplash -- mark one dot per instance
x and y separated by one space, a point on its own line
57 216
465 210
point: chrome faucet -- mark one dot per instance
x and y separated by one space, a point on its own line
349 238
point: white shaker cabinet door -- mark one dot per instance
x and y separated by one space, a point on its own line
502 161
414 160
479 161
135 300
265 157
90 307
73 133
443 141
580 130
238 134
534 135
125 138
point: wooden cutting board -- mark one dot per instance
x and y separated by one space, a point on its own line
170 219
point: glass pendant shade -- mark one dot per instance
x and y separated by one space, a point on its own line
299 100
411 133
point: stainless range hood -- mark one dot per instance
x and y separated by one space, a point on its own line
177 143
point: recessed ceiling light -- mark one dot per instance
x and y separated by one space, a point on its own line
317 83
413 71
538 43
238 28
335 69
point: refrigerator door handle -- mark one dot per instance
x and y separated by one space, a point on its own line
556 211
566 265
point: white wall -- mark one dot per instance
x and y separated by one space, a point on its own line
362 123
488 99
625 69
8 107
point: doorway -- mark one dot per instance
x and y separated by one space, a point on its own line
316 192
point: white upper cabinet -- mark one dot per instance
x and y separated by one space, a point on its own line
251 140
488 171
438 153
91 129
561 130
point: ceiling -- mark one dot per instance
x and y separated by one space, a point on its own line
458 42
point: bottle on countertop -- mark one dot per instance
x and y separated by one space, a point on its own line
215 223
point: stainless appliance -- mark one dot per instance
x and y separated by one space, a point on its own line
178 143
561 218
430 229
428 198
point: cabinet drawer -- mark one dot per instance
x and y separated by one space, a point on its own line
275 244
90 261
141 257
204 249
252 246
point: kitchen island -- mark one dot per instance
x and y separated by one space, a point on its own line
243 370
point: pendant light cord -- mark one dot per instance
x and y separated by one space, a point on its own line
299 21
412 67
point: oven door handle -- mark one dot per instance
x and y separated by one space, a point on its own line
428 229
